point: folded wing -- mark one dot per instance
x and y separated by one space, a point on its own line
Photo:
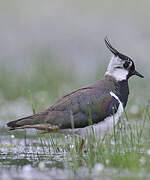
76 109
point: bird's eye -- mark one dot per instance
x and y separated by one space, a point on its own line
127 64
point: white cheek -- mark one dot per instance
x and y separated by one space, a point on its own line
120 74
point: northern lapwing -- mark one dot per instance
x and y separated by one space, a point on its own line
98 105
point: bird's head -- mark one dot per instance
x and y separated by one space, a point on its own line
120 67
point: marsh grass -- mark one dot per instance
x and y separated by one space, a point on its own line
123 149
126 148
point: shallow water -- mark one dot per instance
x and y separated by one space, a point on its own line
23 156
32 156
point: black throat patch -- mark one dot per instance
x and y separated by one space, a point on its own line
123 91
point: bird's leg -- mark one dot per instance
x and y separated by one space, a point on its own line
81 146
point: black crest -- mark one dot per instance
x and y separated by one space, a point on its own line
114 51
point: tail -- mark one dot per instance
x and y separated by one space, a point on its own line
22 122
37 121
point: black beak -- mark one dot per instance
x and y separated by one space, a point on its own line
138 74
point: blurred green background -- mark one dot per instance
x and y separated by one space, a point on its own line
48 48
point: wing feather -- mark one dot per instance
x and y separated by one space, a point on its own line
80 106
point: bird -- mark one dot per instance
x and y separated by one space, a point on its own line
92 108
